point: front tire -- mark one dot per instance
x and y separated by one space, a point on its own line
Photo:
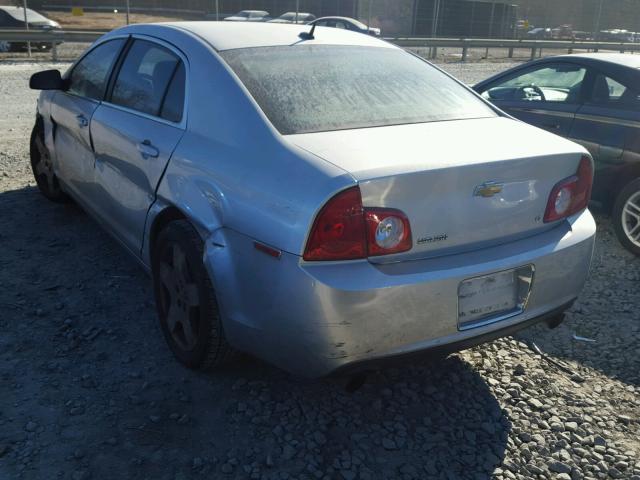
185 299
42 167
626 217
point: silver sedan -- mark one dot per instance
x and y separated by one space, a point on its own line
321 199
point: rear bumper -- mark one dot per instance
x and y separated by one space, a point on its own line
317 318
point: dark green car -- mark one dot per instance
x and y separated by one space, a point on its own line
594 100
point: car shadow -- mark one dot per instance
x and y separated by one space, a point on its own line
82 359
602 330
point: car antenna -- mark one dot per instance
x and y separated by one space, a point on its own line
308 35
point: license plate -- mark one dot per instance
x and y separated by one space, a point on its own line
491 297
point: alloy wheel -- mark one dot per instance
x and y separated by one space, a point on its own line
179 298
631 219
4 46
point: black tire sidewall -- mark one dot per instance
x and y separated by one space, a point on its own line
34 156
187 238
626 193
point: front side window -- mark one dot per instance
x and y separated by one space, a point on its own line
90 75
559 83
315 88
144 77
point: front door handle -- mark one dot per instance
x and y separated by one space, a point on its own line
82 121
147 150
551 126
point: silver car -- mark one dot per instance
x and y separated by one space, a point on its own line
323 200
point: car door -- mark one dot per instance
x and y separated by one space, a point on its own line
608 125
71 113
135 131
546 95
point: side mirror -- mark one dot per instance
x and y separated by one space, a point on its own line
47 80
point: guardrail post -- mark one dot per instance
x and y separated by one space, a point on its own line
533 53
464 53
510 52
54 51
434 52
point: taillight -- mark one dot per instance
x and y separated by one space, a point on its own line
388 231
571 194
338 232
344 230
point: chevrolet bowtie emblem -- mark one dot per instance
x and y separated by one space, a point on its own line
488 189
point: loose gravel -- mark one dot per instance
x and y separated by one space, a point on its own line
90 391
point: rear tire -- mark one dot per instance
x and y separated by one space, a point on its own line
626 217
42 167
185 299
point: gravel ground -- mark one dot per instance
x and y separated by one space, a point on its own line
89 389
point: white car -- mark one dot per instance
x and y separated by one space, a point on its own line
249 16
321 200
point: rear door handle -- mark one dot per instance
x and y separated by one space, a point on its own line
551 126
82 121
147 150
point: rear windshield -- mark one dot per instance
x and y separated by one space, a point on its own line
317 88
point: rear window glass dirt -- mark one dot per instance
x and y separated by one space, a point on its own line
315 88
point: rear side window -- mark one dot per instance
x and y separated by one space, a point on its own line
610 93
90 75
144 77
315 88
174 100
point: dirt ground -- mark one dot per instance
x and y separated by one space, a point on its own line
88 389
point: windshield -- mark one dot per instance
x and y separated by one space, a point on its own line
316 88
32 16
242 14
358 24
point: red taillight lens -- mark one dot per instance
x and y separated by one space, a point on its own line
388 231
339 232
571 194
344 230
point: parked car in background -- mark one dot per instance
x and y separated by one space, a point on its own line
616 35
293 202
346 23
563 32
594 100
249 16
13 17
293 17
539 33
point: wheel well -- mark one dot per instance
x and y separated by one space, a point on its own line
624 178
163 219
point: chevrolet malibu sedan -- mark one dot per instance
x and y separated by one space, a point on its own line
324 201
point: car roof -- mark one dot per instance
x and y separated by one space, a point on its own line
348 19
253 11
622 59
230 36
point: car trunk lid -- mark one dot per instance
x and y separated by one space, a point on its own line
463 184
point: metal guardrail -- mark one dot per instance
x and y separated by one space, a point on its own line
56 37
535 46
